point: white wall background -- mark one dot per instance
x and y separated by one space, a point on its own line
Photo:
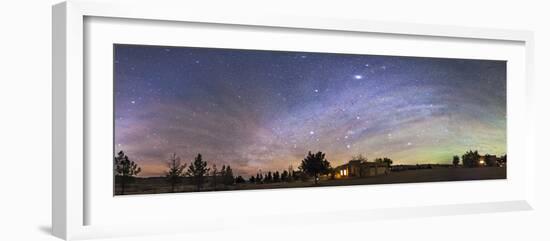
25 122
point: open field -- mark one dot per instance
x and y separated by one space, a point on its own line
159 185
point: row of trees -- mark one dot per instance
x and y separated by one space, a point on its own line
380 160
289 175
125 169
474 159
312 166
198 171
386 161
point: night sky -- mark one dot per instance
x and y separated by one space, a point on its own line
265 110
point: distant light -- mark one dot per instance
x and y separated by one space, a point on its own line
312 132
358 76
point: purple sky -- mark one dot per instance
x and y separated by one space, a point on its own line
265 110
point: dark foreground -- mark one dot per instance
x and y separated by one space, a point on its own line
159 185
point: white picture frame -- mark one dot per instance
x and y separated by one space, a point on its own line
72 191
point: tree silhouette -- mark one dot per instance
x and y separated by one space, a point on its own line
175 171
259 178
276 176
239 179
252 179
456 161
268 177
125 169
197 170
228 178
214 174
470 159
284 176
314 165
386 161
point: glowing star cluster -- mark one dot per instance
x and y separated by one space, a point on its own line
266 109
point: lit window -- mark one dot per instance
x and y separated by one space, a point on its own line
341 172
345 172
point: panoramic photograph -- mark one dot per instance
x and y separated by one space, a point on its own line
189 119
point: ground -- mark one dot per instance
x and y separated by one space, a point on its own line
159 185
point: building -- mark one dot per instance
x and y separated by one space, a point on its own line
358 168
